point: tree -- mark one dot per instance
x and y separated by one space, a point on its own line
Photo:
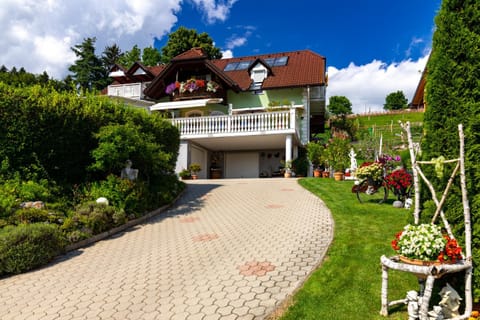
453 97
88 71
395 101
111 55
151 56
340 106
130 57
184 39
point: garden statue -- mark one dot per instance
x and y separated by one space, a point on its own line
128 172
353 160
450 302
412 302
408 203
436 313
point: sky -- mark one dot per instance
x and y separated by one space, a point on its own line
372 47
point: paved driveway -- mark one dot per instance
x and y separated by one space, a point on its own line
229 249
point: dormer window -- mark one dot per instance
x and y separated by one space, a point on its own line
258 74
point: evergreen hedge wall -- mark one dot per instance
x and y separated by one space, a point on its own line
57 133
453 97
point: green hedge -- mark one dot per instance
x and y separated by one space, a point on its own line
453 97
27 246
58 132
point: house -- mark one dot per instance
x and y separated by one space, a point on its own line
241 117
418 100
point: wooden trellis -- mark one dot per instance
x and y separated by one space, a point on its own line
431 273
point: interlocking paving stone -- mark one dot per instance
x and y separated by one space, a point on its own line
186 262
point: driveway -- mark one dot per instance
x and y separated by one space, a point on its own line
229 249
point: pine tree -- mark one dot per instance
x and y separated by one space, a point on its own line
88 71
111 55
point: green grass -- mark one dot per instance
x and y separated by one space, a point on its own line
387 126
348 283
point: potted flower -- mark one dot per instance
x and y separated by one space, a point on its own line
399 181
336 154
288 169
314 154
425 244
371 171
184 174
194 169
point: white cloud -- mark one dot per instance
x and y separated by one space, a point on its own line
236 42
227 54
367 86
38 34
215 11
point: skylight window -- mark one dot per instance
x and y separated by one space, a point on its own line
241 65
277 62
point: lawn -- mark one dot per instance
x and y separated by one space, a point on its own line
347 285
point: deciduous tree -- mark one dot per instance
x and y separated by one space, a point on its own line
395 101
184 39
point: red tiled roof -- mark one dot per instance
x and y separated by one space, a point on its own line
303 68
155 70
194 53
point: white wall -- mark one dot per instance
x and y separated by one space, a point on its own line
182 160
199 155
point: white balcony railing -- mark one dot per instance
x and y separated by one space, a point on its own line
127 90
282 121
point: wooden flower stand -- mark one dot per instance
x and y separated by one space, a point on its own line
433 272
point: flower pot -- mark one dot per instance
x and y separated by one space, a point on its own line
326 174
338 176
417 262
194 177
287 174
317 173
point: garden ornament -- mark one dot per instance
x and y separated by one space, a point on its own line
128 172
102 200
412 302
436 313
450 302
408 203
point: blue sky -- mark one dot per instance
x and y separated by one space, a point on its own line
372 47
344 31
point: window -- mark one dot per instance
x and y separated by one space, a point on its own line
277 62
241 65
193 114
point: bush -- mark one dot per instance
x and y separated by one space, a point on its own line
27 246
131 196
32 215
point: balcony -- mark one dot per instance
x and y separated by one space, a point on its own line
127 90
280 122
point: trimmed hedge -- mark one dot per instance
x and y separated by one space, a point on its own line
58 132
28 246
453 97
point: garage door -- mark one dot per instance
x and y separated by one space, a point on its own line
242 165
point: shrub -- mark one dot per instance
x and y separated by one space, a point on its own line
131 196
27 246
32 215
